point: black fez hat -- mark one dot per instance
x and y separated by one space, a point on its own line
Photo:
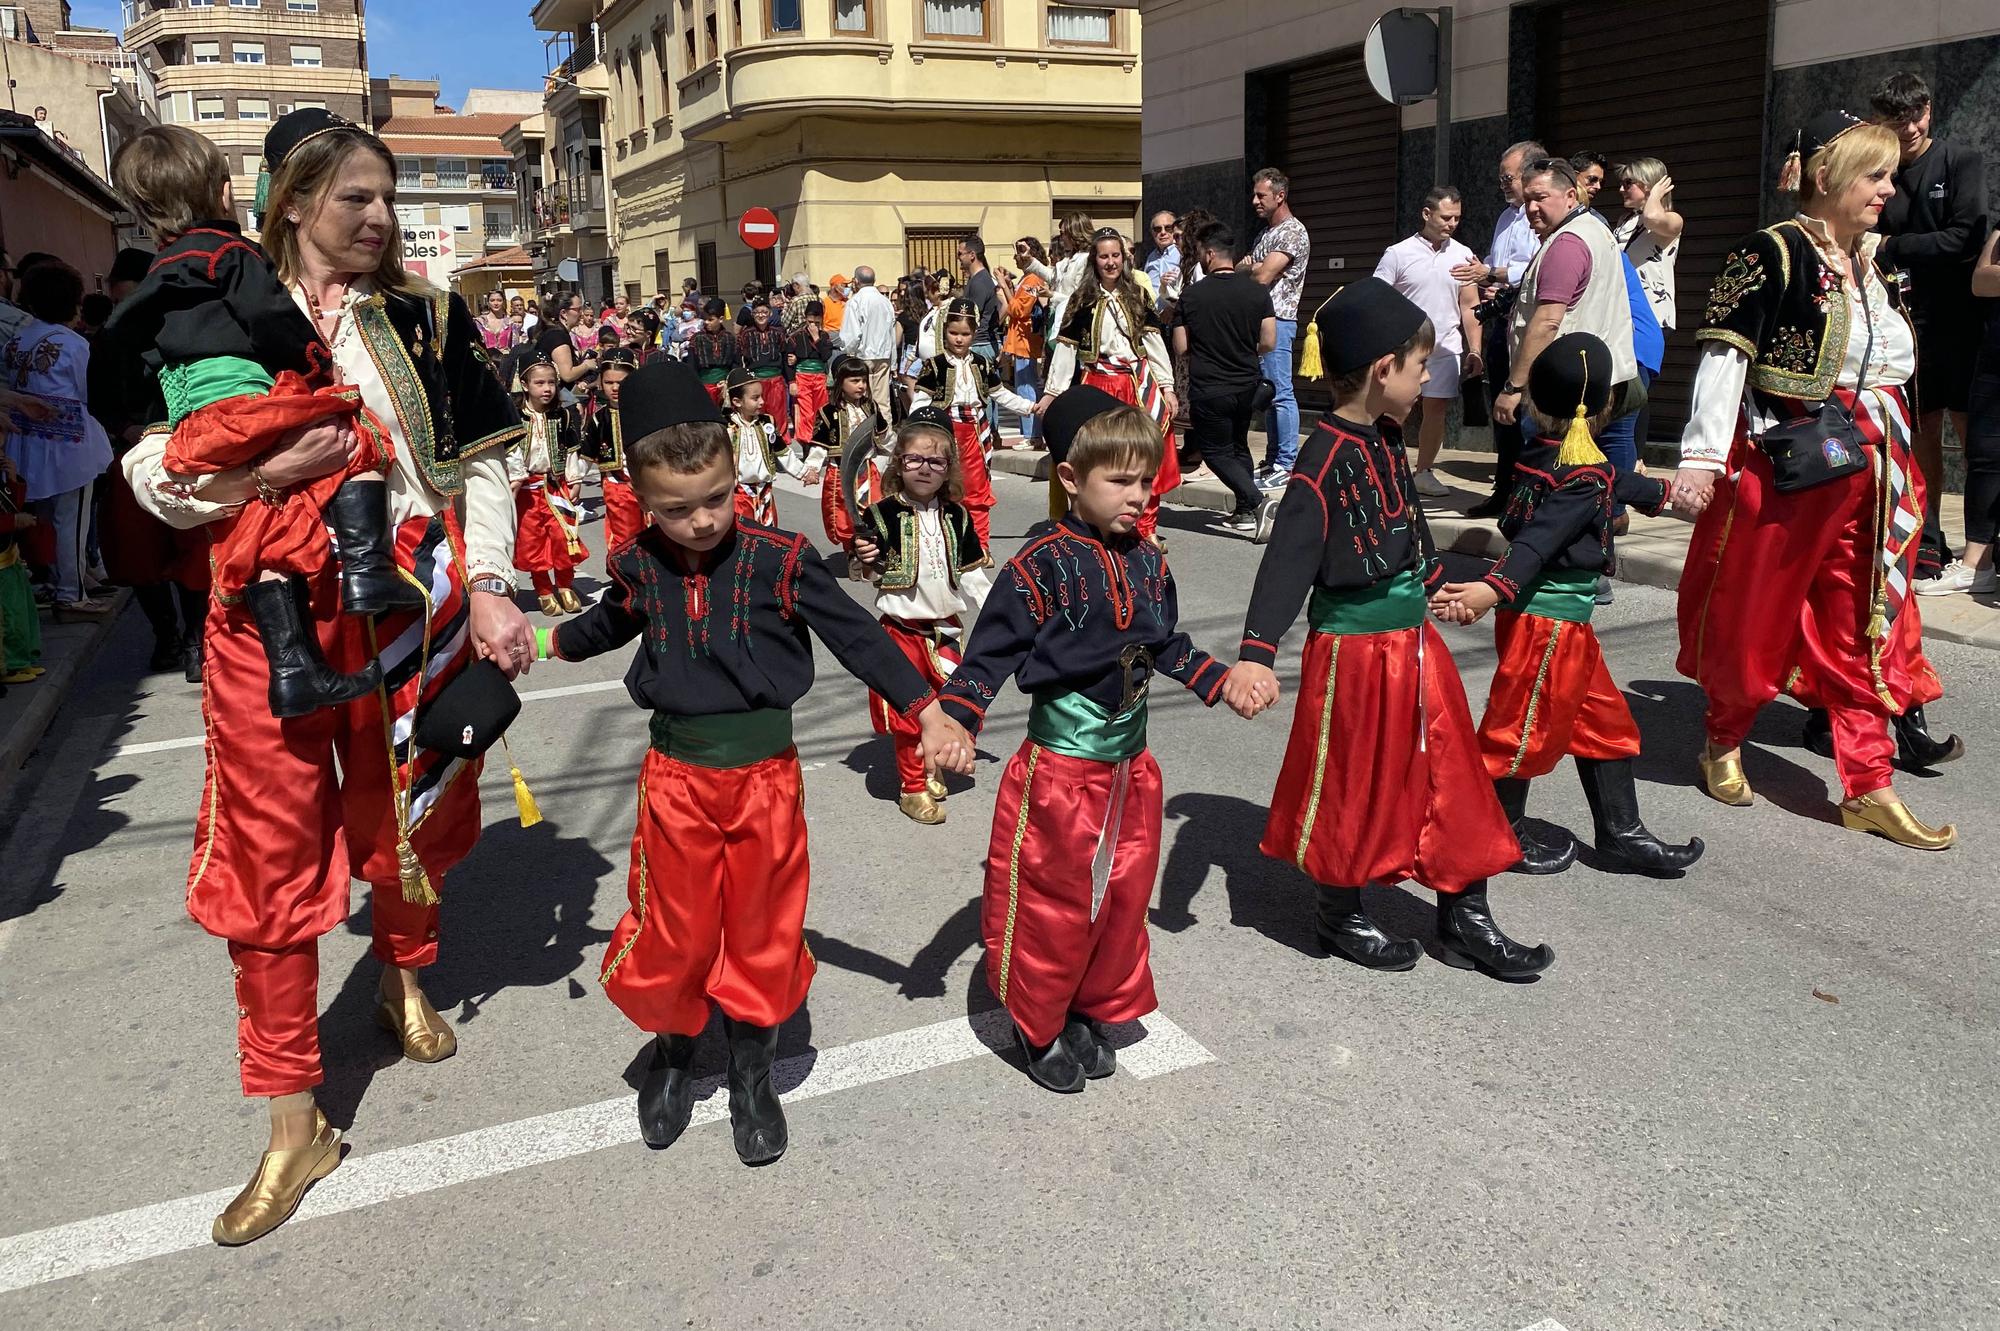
1571 380
1069 413
739 377
1363 322
1813 136
661 393
292 130
931 415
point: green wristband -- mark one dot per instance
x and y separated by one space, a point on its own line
544 645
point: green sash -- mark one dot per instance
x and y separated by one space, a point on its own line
715 376
811 367
1076 727
730 739
1399 603
201 383
1567 594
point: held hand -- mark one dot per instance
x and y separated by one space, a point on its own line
1694 488
1042 405
500 633
1473 598
309 452
1506 407
1249 688
943 742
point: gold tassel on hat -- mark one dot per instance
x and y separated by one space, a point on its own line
1578 448
524 799
1310 364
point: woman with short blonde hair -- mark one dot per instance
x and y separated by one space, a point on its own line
1797 457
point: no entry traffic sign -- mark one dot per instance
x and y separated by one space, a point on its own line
759 228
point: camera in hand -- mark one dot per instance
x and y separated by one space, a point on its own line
1499 305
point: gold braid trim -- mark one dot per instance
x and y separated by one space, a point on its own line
1535 696
1319 757
1014 871
638 907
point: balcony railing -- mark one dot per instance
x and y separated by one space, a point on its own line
569 201
581 57
501 232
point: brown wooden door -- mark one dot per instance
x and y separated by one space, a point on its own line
1338 142
932 248
1684 84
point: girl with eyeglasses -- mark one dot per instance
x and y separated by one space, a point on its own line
931 574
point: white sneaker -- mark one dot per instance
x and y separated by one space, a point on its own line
1955 578
1267 518
1430 486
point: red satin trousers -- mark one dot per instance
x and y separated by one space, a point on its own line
1551 696
933 656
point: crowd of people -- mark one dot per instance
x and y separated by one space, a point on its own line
333 547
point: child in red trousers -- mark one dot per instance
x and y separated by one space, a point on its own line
1079 619
241 366
546 544
1382 779
961 382
1551 694
719 862
932 574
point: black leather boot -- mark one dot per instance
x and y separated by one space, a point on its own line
666 1096
1614 807
369 582
301 680
756 1119
1817 734
1915 746
1087 1045
1539 854
1054 1067
1345 930
1470 939
191 659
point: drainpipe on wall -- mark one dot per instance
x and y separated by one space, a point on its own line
104 126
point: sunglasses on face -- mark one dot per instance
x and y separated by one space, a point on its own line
923 462
1162 230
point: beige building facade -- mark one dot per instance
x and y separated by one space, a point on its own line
1710 87
230 68
878 131
453 171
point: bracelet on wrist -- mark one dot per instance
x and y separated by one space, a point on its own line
267 492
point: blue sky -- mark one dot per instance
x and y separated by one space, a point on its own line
463 43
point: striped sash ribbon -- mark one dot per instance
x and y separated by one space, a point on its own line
419 655
1139 370
977 416
1883 418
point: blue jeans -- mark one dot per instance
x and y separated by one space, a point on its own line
1027 382
992 354
1281 422
1620 440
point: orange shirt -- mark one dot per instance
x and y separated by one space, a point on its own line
1022 339
836 312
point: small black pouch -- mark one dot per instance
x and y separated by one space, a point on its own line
1813 449
470 714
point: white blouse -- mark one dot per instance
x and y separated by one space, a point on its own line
1113 339
1720 395
189 502
933 597
965 391
531 457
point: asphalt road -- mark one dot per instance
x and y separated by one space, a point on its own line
1760 1097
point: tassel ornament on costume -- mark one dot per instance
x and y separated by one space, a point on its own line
1311 364
1578 448
417 889
524 799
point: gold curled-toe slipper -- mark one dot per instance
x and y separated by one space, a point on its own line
1895 822
934 787
278 1186
549 604
424 1035
1724 781
921 807
567 598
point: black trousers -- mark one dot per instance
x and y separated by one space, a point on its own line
1220 426
1982 447
1506 438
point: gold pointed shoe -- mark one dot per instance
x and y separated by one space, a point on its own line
278 1187
550 605
1894 821
1724 781
424 1035
919 806
567 598
935 788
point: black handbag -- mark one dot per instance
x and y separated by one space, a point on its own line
469 714
1824 444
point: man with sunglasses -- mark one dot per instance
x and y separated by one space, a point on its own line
1514 245
1163 265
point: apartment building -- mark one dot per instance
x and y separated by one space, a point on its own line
228 68
452 169
78 85
877 130
569 211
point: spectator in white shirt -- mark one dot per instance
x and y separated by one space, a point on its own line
869 332
1422 268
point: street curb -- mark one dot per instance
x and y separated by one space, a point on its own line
22 738
1641 560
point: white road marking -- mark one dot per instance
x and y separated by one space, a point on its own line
528 695
1546 1324
108 1241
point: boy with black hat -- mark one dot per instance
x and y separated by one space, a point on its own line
712 350
760 454
764 350
1382 779
239 366
1551 694
719 865
811 356
1080 619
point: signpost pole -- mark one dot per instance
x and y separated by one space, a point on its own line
1444 96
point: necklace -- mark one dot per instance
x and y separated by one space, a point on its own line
342 324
